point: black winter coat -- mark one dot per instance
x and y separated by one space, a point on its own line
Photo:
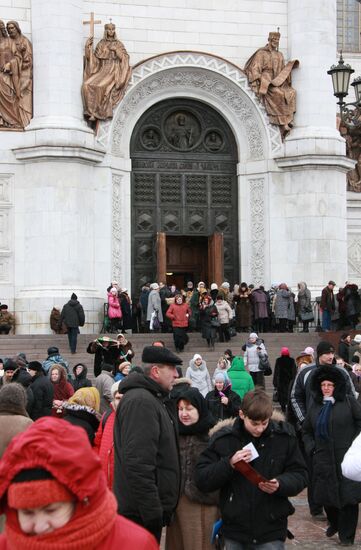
103 355
250 515
72 314
330 488
78 415
216 407
146 455
285 371
43 393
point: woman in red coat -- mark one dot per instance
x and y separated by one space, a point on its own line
54 494
179 313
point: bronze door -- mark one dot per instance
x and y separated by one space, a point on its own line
184 184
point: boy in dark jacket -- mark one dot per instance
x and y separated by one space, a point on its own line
254 515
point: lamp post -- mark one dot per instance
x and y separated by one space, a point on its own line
341 73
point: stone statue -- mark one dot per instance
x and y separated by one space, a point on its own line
106 75
353 151
270 79
16 77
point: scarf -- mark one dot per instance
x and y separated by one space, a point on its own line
323 419
89 526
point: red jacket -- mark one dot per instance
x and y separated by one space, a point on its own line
179 314
125 535
104 446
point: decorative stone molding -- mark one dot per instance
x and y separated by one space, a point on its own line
116 228
6 225
201 75
258 237
354 257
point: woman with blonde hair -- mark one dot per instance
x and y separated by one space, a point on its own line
82 409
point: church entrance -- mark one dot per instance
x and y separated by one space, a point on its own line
184 196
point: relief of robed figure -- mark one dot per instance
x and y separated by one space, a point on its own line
270 78
106 75
16 77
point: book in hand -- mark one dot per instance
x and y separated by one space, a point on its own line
250 473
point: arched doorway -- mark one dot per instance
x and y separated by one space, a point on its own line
183 193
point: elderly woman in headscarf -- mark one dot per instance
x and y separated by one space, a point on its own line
54 495
83 409
333 421
196 511
63 390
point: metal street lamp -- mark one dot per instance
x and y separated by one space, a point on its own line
341 74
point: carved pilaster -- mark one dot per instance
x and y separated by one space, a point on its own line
6 205
116 228
258 233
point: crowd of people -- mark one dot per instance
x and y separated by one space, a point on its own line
203 454
222 311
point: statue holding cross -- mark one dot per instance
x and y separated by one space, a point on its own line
106 73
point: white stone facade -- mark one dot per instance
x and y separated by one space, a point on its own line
65 198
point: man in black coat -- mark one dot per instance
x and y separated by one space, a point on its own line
42 390
73 316
146 455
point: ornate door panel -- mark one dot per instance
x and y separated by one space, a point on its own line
183 183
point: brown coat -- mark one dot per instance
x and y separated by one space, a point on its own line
10 426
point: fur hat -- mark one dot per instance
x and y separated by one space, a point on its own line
197 356
159 355
154 286
253 335
225 284
35 365
357 338
332 374
10 365
53 350
214 286
324 347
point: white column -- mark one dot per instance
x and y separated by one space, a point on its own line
58 63
312 40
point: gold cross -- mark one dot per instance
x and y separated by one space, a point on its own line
92 22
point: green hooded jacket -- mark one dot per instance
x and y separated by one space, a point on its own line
241 379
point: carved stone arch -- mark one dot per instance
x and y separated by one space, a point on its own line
200 76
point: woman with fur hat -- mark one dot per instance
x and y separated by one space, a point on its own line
198 373
332 423
222 402
62 388
51 503
196 511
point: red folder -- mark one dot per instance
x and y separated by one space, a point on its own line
250 473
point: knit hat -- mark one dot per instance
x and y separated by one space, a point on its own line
222 377
35 488
324 347
13 399
309 351
285 351
357 338
214 286
197 356
225 284
113 290
253 335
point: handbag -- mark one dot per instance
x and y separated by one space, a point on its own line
275 395
265 366
215 323
306 316
154 321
